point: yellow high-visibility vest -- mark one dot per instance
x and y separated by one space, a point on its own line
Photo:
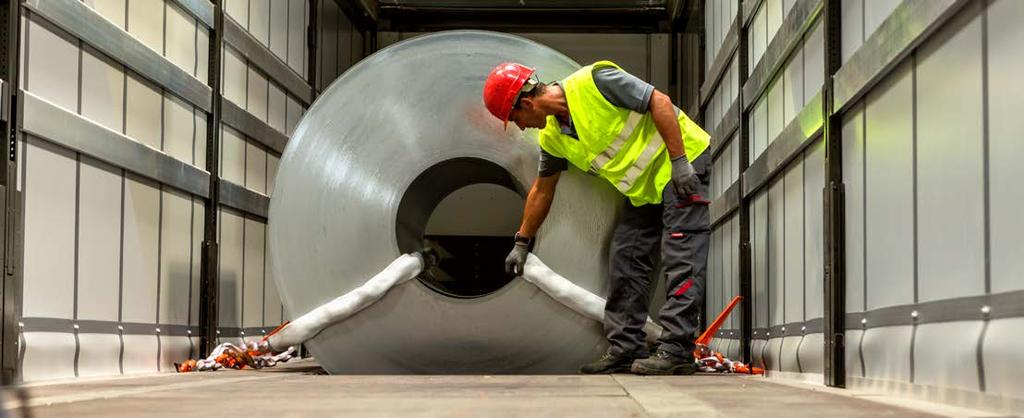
617 144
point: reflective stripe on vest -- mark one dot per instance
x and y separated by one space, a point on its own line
637 168
609 152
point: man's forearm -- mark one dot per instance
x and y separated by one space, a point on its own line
663 113
538 203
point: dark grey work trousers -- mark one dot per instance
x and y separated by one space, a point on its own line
681 225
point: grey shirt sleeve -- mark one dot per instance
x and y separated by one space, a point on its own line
623 89
551 165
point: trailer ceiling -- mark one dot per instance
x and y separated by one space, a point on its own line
634 16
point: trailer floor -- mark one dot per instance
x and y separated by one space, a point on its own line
298 389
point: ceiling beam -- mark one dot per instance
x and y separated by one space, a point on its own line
622 16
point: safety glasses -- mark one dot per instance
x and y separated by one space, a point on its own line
531 83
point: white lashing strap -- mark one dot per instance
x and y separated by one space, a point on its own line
408 266
572 296
307 326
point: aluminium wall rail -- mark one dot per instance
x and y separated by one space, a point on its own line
58 125
266 61
789 37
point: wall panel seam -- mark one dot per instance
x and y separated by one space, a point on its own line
120 278
987 211
159 257
78 227
864 203
803 239
913 343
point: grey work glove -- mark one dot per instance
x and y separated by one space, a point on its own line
684 177
516 259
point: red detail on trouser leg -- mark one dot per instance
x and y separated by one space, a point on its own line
682 289
677 235
694 199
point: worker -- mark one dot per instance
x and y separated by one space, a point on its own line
607 122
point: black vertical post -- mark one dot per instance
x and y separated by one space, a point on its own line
699 118
209 276
675 91
834 239
312 36
746 258
702 64
10 209
311 45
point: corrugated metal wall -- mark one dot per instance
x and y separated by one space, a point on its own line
249 301
929 164
786 220
110 256
112 245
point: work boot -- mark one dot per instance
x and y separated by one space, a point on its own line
608 363
664 363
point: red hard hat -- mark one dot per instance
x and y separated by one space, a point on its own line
502 86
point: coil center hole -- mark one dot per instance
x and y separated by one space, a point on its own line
467 209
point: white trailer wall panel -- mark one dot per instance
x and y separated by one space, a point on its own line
175 258
1005 97
253 305
931 200
938 123
950 133
787 94
103 87
719 16
889 180
118 253
231 258
786 216
853 180
99 263
256 94
253 270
